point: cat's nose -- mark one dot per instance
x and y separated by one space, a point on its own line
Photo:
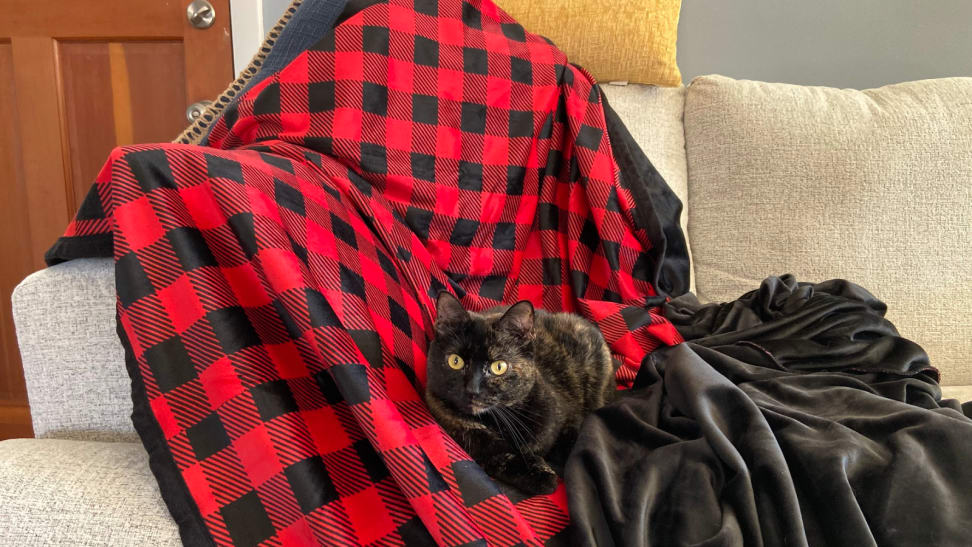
474 380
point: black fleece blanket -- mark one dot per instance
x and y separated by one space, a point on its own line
795 415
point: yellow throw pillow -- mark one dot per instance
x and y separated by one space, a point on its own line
631 40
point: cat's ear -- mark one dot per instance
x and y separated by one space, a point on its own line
448 310
519 318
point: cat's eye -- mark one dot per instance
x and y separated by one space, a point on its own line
455 362
499 367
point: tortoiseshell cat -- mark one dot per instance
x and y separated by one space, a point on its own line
512 385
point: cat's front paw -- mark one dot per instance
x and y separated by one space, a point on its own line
540 479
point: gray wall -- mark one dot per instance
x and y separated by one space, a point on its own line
839 43
272 10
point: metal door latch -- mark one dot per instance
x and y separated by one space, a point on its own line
197 109
201 13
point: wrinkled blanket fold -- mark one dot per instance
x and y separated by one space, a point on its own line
795 415
275 287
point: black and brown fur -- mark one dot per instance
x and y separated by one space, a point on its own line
516 424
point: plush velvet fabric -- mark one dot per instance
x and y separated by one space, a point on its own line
793 416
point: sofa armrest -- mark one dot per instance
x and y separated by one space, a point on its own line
74 364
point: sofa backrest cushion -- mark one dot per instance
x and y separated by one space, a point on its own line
872 186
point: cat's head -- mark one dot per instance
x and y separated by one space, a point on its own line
478 361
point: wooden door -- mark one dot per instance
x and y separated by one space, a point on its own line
77 78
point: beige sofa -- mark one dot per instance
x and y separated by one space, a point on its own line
872 186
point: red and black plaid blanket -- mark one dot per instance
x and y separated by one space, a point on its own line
275 287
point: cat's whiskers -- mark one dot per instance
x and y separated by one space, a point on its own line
531 415
529 431
503 424
514 430
522 432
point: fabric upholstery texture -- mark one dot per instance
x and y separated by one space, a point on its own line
873 186
74 364
61 492
653 115
632 40
959 393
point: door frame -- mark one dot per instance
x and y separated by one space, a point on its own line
246 20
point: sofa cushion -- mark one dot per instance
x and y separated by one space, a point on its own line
653 116
630 40
873 186
962 394
60 492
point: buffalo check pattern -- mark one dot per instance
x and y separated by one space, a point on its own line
275 288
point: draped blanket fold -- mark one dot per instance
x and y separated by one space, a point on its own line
274 287
795 415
